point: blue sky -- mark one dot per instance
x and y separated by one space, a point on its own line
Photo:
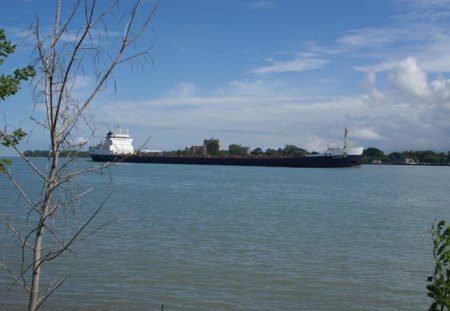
270 73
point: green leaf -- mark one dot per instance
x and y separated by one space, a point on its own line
8 140
10 84
3 163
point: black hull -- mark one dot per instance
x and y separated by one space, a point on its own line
316 161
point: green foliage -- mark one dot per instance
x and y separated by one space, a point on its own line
6 47
422 157
257 151
234 149
271 152
293 151
13 139
373 154
4 162
439 283
212 146
64 153
9 85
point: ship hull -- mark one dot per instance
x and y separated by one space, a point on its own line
314 161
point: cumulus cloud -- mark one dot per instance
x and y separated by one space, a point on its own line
410 110
441 89
375 98
408 77
366 133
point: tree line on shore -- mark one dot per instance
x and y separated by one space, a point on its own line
65 153
374 155
239 150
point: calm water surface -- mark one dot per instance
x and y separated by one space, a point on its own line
246 238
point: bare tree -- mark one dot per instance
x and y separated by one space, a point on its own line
79 44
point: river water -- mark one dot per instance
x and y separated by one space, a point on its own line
243 238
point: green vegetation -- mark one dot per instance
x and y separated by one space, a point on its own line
9 85
257 151
47 153
287 151
212 146
234 149
374 155
439 282
293 151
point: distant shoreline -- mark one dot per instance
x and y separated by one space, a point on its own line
407 164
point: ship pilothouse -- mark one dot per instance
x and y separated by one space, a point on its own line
341 152
119 142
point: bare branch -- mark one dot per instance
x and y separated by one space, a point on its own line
17 234
21 191
56 254
16 279
5 137
51 290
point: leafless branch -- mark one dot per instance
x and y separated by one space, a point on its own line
15 278
17 234
21 191
64 55
5 137
51 290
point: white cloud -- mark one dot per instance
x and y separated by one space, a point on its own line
441 88
255 87
258 5
370 79
408 77
82 81
366 134
370 37
303 62
425 9
375 98
183 90
409 112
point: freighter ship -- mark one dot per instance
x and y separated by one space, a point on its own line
118 147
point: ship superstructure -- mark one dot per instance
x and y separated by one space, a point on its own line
118 143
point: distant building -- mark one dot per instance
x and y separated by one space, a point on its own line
409 161
406 161
210 146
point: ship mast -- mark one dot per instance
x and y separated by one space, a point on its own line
345 137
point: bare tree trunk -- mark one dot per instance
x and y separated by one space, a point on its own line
60 62
37 258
